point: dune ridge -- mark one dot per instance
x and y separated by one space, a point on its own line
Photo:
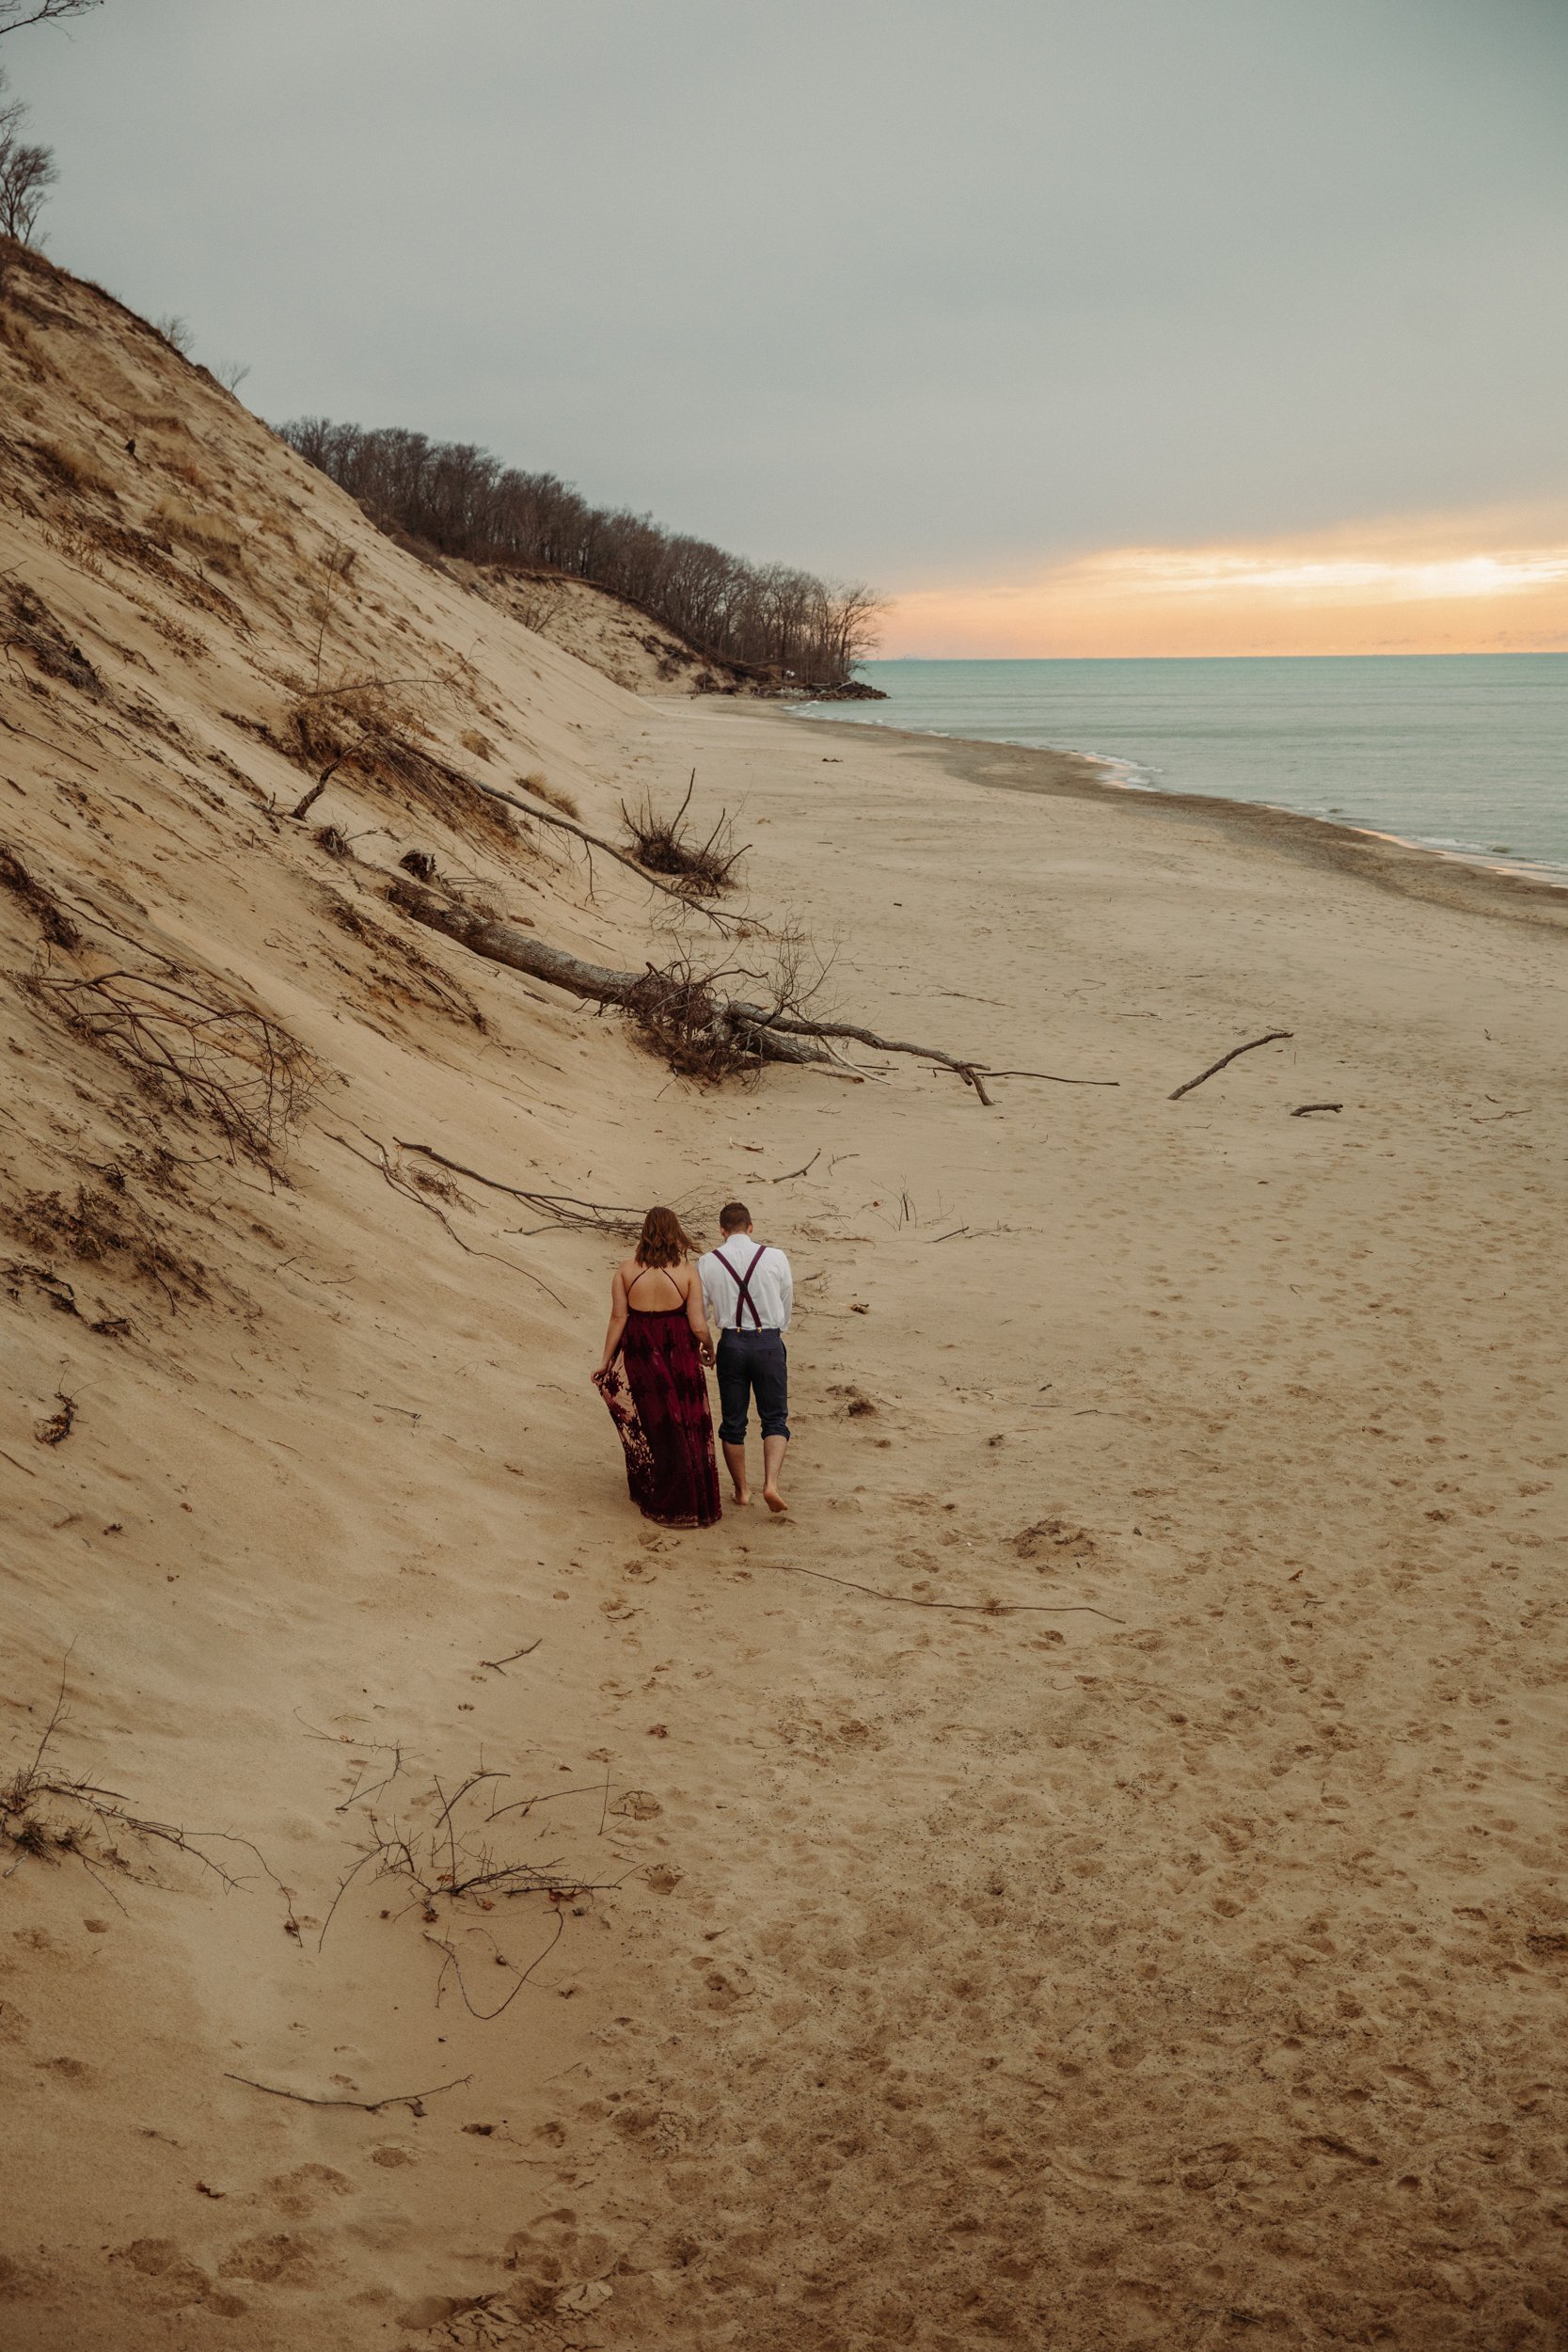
1092 1879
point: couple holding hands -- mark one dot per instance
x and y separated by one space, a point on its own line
663 1314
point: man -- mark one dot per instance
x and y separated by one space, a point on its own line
748 1291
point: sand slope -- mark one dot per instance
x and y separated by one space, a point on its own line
937 1964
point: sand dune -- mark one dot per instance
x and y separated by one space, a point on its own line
1093 1877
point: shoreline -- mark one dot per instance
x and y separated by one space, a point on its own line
1411 869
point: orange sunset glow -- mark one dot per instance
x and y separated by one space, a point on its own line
1490 584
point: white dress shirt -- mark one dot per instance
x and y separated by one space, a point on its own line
772 1287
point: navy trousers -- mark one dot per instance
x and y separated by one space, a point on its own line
752 1363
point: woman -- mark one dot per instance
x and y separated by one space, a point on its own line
657 1325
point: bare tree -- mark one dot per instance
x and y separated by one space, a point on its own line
15 15
26 171
26 175
770 621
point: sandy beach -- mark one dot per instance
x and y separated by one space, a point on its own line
1093 1876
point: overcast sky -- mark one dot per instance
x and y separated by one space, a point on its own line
917 290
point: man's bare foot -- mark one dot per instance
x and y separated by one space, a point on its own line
774 1501
742 1498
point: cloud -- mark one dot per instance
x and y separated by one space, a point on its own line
902 289
1421 587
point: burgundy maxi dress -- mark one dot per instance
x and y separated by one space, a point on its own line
656 1393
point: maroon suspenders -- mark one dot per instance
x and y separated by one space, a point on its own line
743 1284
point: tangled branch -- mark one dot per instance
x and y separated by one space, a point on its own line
454 1860
51 1814
234 1064
700 870
182 1032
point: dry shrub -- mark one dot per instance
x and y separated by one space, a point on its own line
104 1227
74 469
553 795
29 624
49 1814
536 601
212 537
123 545
455 1866
53 920
478 744
79 547
703 869
363 729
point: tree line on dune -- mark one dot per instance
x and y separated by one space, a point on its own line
783 623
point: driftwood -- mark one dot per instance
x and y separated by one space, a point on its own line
1302 1108
764 1033
1273 1037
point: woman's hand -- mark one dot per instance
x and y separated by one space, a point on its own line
707 1353
599 1378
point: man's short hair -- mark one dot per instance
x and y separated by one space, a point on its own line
733 1215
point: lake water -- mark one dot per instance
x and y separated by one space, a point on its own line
1465 752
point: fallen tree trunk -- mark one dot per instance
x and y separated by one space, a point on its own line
703 1033
634 993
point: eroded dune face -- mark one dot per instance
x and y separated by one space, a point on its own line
1108 1899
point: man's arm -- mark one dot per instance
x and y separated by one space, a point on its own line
786 1289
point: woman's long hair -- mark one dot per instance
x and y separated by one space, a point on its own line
664 1240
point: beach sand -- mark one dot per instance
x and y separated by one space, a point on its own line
1092 1876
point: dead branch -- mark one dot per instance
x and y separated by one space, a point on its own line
701 1033
308 800
58 1428
411 1192
1273 1037
1051 1079
969 1607
452 1961
1302 1108
410 2099
796 1025
564 1208
499 1665
790 1177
